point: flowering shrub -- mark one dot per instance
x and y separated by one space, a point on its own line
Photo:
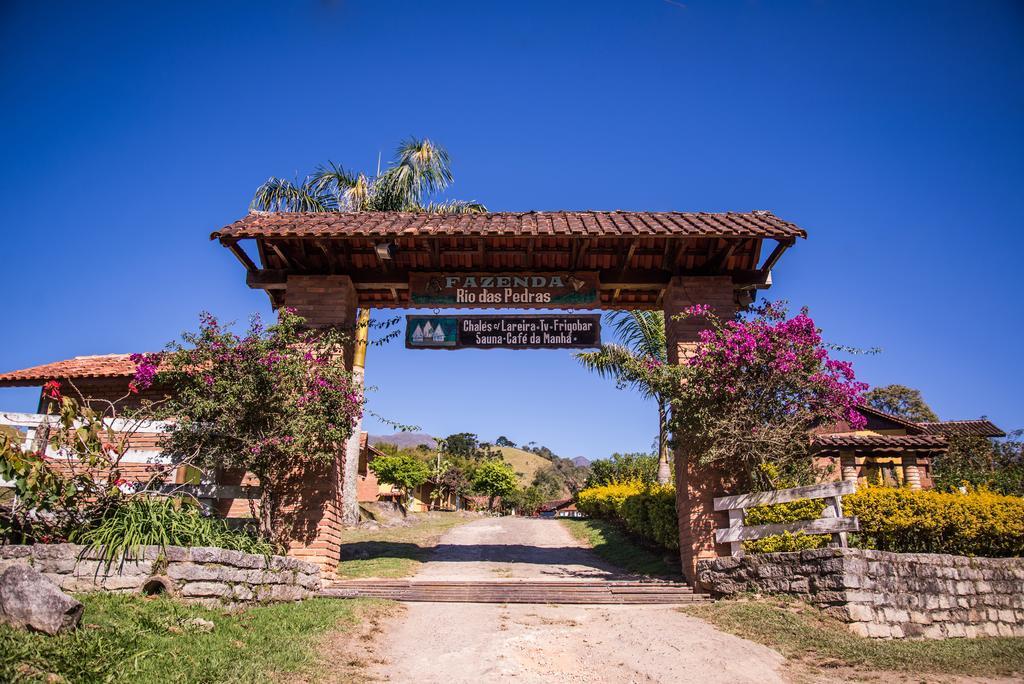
272 401
753 387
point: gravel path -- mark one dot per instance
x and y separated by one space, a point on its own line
451 643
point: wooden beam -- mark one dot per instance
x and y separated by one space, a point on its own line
629 254
718 261
776 254
328 256
240 254
725 535
280 254
630 279
581 255
672 249
817 491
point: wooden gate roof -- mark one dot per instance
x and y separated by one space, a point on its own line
757 224
634 253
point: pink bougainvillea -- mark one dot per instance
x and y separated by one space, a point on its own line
780 359
270 400
753 389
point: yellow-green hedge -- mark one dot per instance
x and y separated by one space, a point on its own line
806 509
606 501
891 519
649 511
979 523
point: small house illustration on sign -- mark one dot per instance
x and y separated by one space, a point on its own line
438 333
417 334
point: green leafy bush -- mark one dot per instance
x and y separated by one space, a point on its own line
648 511
160 521
979 523
792 511
605 501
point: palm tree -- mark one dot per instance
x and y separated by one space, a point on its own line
642 336
420 170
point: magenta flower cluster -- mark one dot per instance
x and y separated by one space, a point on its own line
145 371
789 353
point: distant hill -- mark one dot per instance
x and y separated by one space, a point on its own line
405 440
581 462
525 463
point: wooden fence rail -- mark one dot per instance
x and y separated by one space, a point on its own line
831 520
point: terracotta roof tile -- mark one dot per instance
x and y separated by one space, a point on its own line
958 428
867 410
757 224
892 442
104 366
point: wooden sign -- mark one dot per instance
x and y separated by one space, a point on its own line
503 332
507 290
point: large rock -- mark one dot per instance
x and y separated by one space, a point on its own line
30 600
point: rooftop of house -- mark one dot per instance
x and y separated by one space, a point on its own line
555 504
962 428
875 442
97 366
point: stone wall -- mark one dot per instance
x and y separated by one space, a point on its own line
887 595
205 575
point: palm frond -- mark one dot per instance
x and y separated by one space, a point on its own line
453 207
332 180
281 194
428 164
643 332
614 361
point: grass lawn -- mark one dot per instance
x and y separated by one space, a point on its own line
134 639
812 640
395 551
612 544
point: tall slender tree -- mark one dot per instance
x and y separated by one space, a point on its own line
641 336
419 172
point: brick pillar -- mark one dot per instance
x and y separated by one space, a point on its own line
911 473
317 513
696 487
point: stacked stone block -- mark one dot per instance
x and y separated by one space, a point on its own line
206 575
887 595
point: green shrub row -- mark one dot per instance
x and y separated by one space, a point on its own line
648 511
979 523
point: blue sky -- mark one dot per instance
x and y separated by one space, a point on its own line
892 132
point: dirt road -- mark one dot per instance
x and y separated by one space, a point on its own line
451 643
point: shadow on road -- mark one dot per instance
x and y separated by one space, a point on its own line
583 561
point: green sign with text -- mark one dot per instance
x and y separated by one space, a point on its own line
555 331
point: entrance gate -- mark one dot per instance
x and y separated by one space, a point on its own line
329 266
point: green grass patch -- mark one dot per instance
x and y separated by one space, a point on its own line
395 551
807 637
139 640
613 544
